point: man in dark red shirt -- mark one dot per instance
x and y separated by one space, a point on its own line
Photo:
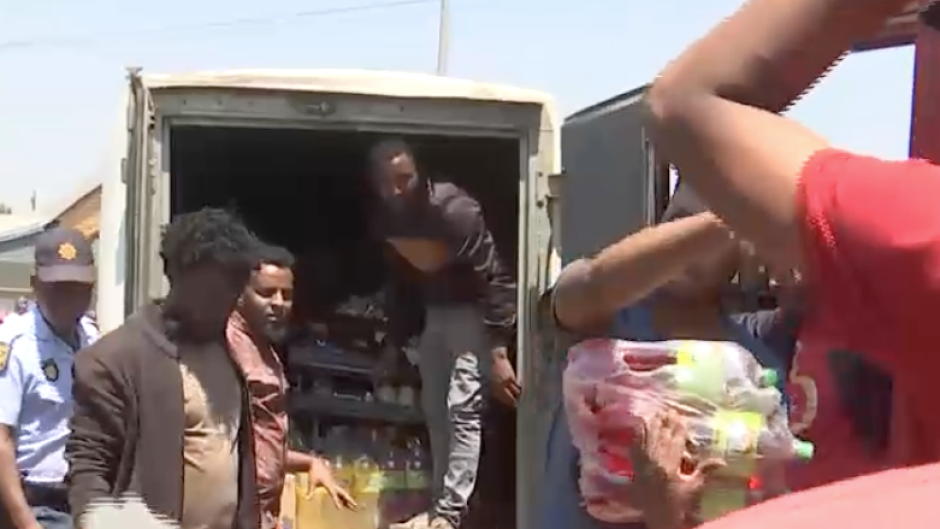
865 232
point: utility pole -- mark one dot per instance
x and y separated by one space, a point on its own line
443 38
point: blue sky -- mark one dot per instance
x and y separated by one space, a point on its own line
59 97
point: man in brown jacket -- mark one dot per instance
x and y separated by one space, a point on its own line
161 411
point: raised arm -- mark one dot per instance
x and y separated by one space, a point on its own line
95 445
712 110
590 291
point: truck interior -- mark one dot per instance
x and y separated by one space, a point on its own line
307 190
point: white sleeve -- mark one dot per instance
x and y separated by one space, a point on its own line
12 384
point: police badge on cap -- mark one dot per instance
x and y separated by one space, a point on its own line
64 255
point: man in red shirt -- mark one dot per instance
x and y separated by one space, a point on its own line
254 329
864 232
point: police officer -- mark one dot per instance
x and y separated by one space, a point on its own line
36 354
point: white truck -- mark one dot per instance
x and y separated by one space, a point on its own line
253 139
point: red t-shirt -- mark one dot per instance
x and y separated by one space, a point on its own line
902 498
816 415
871 236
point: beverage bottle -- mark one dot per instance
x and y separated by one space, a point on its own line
718 373
369 480
288 517
754 449
741 439
342 447
417 477
393 498
312 505
310 502
610 386
722 373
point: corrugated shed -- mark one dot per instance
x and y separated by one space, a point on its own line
15 227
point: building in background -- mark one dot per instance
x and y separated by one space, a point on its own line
18 234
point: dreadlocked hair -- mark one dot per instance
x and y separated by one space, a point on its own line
208 236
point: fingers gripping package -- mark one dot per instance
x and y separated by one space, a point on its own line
731 407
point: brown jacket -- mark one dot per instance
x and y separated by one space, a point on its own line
127 427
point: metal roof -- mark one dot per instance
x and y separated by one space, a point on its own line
15 226
366 82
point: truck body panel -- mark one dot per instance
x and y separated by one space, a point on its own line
136 187
611 185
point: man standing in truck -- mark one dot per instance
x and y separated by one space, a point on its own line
469 297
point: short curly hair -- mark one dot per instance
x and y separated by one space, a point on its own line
208 236
269 254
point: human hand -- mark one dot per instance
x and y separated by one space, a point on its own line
503 382
320 475
667 483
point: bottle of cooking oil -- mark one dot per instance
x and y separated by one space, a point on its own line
369 481
313 505
417 478
394 497
319 511
289 503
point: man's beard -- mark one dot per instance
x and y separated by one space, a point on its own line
276 334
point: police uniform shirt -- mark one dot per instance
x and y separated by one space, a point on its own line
36 393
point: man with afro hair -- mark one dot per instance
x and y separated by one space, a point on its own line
161 411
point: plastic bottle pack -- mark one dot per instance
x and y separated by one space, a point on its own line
611 387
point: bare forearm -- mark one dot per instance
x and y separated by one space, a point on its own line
631 269
298 461
713 111
768 53
11 490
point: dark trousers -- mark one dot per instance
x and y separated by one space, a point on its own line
50 518
49 505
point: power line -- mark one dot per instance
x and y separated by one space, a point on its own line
80 40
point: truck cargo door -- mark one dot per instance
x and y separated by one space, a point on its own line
612 185
140 240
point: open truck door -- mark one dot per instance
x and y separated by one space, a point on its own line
141 231
611 185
